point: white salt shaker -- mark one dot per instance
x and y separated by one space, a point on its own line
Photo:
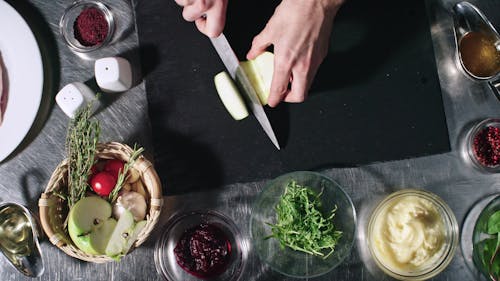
74 96
113 74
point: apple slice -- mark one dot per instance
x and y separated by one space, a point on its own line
121 233
230 96
139 226
260 73
85 217
100 237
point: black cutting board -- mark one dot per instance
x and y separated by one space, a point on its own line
376 96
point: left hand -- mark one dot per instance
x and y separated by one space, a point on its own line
208 15
300 32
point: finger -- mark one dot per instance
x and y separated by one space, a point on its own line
279 84
193 12
212 24
184 3
259 45
300 86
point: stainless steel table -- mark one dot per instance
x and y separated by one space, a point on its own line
24 175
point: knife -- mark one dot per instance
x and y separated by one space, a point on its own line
232 64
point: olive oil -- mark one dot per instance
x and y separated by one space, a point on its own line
479 54
16 235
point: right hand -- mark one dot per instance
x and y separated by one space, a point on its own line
208 15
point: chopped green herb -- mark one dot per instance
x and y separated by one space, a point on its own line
301 225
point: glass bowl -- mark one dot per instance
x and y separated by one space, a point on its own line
296 263
481 238
67 21
412 215
475 138
165 258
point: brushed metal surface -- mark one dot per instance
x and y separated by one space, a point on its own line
24 176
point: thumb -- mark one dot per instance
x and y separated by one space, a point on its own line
259 45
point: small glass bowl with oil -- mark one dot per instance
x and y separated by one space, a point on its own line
478 43
19 239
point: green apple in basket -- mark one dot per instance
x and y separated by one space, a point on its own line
90 224
94 231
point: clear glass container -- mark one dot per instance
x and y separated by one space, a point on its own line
438 261
165 259
294 263
469 151
66 25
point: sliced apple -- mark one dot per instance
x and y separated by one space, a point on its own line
230 96
99 238
139 226
120 236
86 217
260 73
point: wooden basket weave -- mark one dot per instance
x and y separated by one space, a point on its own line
54 210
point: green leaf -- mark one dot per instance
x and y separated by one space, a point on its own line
301 225
494 223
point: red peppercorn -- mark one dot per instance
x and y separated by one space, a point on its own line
91 27
486 146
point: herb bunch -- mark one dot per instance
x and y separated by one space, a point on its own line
301 225
81 141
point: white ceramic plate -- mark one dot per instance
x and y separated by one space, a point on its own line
23 64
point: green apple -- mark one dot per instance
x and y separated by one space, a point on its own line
118 241
90 224
230 96
260 73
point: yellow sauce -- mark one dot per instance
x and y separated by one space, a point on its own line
408 234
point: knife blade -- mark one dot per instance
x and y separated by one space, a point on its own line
232 64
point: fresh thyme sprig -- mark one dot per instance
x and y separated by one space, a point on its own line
121 176
81 141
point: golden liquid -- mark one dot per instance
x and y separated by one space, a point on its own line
479 54
16 236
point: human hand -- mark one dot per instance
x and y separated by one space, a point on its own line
208 15
300 32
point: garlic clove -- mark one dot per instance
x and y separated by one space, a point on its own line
133 175
132 201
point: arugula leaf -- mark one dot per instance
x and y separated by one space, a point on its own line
494 223
300 224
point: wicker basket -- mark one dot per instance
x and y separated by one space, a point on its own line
54 210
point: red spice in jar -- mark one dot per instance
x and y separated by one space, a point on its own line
486 146
91 27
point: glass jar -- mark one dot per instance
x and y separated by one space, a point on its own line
430 217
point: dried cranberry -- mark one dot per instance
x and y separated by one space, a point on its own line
486 146
203 251
91 27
